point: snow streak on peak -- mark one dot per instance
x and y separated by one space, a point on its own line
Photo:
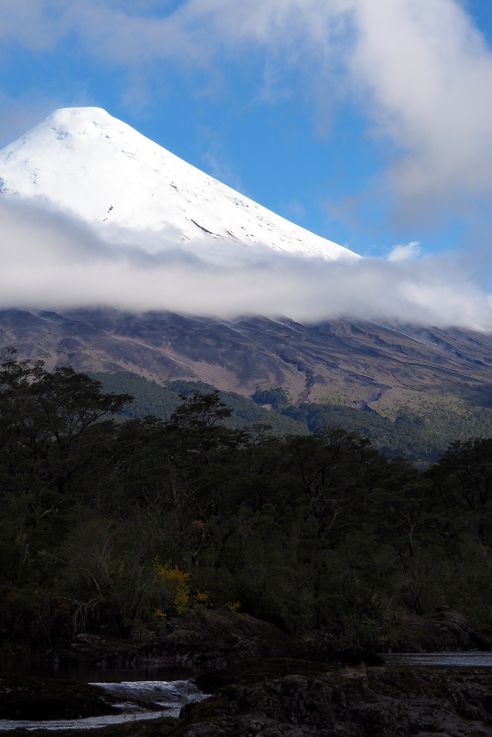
86 162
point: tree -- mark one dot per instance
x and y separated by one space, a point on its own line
54 429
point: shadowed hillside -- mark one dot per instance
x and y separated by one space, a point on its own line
339 362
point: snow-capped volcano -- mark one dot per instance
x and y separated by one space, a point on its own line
88 163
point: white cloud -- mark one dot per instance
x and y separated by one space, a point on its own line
36 24
428 72
418 68
404 252
51 261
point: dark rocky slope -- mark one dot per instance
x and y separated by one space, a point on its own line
379 703
339 361
264 683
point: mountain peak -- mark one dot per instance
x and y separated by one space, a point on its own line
84 161
83 111
65 122
73 116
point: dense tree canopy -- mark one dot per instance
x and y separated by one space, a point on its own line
115 525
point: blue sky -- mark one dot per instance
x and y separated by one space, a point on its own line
333 113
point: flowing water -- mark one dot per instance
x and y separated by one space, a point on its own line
440 660
170 689
157 696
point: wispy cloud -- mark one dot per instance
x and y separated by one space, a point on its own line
52 261
403 252
21 113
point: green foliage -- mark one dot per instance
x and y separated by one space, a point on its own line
150 398
275 396
420 437
113 526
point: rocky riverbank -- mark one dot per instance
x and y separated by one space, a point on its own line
264 682
208 640
200 638
348 702
441 630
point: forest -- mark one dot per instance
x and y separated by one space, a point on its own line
114 526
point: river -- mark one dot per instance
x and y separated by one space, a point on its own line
440 660
171 689
165 691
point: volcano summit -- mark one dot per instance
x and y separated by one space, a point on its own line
87 163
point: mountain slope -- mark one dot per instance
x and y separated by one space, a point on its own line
86 162
411 390
340 362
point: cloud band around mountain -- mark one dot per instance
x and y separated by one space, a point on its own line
53 261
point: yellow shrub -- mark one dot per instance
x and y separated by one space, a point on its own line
176 582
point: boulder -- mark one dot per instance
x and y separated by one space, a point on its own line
382 702
443 630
